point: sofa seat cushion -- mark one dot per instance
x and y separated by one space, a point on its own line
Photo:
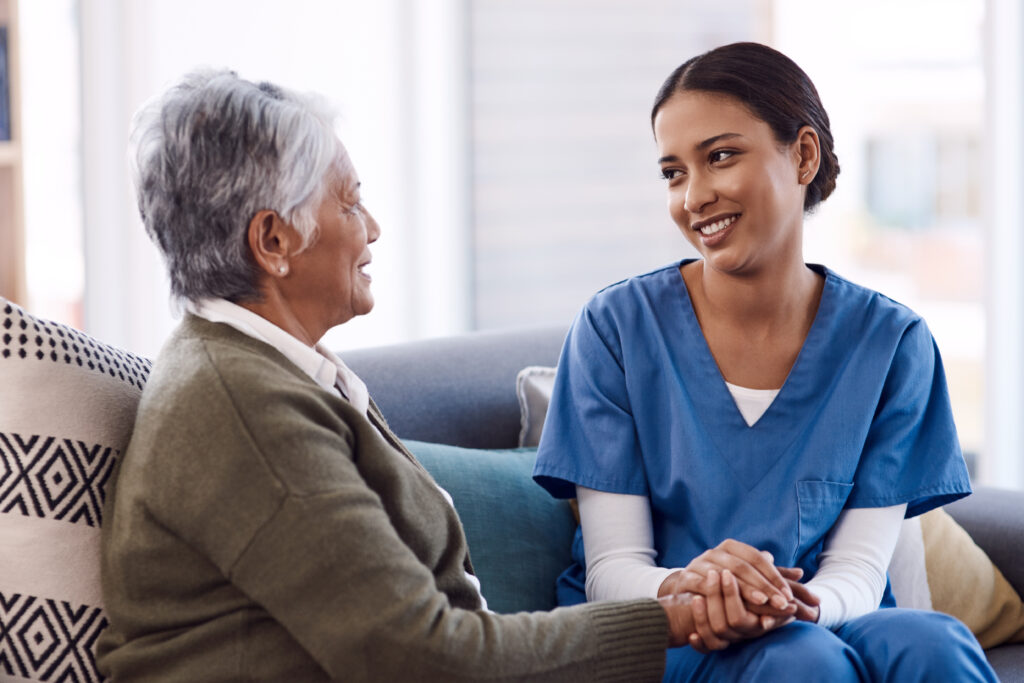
519 537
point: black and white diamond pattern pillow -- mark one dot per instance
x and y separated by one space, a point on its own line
67 405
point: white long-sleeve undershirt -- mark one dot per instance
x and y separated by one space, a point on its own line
618 540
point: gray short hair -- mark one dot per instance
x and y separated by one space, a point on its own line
210 153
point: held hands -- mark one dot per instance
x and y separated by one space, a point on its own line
722 617
708 623
761 582
736 593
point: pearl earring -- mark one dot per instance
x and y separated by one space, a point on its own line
282 269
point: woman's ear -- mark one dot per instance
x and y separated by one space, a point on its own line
272 242
808 150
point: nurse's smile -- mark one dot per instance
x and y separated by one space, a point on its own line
714 230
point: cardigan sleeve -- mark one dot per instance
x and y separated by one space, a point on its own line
331 569
311 512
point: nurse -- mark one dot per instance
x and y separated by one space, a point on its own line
732 423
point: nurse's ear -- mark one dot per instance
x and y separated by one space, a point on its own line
807 153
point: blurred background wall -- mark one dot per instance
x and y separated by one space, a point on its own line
505 148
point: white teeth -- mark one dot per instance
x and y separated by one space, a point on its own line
718 225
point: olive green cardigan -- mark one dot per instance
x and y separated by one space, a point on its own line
260 528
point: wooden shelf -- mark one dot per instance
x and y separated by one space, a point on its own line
12 218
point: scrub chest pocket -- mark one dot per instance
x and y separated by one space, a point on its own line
820 504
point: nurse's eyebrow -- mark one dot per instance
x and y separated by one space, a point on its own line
712 140
701 146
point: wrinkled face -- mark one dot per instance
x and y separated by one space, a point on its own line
334 282
733 190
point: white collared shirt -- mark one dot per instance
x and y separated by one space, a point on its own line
318 362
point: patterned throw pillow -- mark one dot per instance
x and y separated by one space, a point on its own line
67 405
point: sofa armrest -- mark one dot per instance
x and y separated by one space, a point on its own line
995 520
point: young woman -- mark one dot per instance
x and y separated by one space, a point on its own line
733 422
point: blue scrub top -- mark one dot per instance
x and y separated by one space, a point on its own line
640 407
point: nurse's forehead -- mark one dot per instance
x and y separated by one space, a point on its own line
699 124
697 103
698 111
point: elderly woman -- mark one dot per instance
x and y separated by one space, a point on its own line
265 523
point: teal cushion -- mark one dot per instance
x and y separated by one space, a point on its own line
519 536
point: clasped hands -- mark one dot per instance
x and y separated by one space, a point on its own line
730 593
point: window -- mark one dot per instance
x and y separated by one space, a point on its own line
908 111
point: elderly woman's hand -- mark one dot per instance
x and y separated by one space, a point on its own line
678 609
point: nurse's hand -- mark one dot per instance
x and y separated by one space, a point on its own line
760 581
806 601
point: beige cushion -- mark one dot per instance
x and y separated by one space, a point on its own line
533 388
964 582
67 406
936 565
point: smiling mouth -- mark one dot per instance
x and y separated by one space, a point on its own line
707 229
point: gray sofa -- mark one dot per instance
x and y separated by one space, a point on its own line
461 391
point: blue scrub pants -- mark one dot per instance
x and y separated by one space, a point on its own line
893 645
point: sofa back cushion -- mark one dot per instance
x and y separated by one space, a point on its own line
455 390
519 536
67 406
